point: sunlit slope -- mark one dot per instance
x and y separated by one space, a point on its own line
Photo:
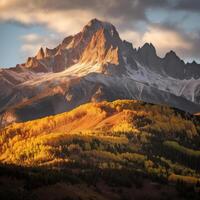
123 133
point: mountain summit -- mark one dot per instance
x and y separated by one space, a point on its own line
94 65
98 43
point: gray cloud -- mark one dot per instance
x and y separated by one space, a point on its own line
123 9
194 53
188 5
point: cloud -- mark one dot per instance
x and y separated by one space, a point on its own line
32 37
135 37
58 21
58 15
193 53
165 39
65 15
29 50
33 42
191 5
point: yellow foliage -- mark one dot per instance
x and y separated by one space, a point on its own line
185 179
125 126
37 141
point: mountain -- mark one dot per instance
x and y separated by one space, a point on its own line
91 66
106 150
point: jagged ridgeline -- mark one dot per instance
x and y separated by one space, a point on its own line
134 135
94 65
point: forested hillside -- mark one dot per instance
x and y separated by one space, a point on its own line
103 140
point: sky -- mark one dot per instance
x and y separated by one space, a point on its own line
26 25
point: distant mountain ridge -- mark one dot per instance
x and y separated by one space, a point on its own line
95 65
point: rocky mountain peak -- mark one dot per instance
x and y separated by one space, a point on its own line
98 42
172 55
194 62
96 24
105 45
108 31
148 48
40 54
